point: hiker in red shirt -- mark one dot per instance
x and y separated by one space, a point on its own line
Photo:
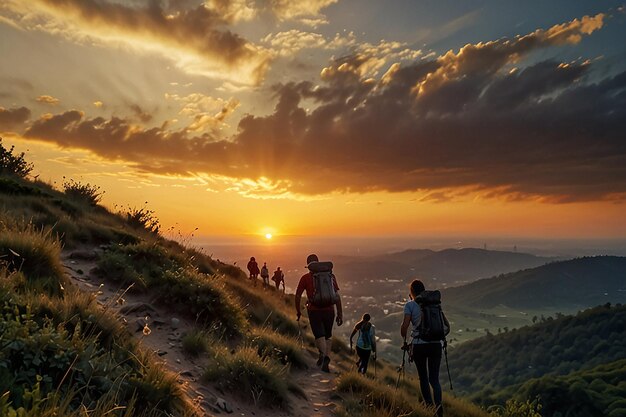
322 293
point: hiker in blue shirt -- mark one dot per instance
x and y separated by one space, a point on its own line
426 353
365 343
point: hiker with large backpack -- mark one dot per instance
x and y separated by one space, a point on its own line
428 332
322 295
365 342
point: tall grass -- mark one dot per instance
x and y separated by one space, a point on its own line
36 254
254 379
283 349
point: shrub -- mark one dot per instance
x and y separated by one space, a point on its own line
13 164
257 380
284 349
142 218
85 193
195 343
514 408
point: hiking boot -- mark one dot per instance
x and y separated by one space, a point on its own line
320 359
325 364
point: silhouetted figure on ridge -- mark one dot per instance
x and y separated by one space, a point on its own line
365 342
253 268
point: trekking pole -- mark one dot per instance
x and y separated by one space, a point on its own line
401 368
445 353
300 333
375 361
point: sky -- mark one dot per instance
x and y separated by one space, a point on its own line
328 117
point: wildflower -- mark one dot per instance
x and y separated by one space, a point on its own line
146 330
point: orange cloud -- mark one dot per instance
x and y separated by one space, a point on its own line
48 100
193 38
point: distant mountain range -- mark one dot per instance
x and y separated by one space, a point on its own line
573 284
448 267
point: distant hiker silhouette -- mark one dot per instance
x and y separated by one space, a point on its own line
429 329
279 277
253 268
322 295
365 342
265 275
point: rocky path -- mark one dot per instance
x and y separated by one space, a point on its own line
160 331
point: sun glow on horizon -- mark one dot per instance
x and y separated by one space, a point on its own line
268 236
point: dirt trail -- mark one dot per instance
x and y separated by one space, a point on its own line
164 339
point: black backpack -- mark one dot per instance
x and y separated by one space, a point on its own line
434 326
324 294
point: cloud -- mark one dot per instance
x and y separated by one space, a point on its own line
480 121
289 9
12 118
195 38
48 100
207 113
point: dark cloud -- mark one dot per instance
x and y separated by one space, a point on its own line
12 118
464 121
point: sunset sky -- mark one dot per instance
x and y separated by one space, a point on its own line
328 117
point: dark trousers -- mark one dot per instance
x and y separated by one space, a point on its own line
364 358
427 357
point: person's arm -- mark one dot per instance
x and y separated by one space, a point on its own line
446 330
405 326
299 291
352 335
339 311
373 341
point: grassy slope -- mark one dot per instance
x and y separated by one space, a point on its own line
589 281
247 337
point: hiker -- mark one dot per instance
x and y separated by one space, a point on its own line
279 277
253 268
265 275
365 343
430 327
322 295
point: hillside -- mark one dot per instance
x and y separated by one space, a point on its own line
589 281
595 392
484 366
103 316
444 267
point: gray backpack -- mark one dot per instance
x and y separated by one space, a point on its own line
324 294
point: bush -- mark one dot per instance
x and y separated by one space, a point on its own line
283 349
195 343
142 218
85 193
13 164
514 408
257 380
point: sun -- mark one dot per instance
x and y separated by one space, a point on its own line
268 236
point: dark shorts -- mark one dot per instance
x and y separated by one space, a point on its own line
322 323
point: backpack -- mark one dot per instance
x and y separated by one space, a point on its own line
324 294
434 326
366 335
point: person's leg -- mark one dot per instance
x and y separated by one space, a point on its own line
328 319
319 333
365 360
434 362
420 358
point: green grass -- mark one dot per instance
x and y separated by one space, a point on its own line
195 342
254 379
281 348
36 254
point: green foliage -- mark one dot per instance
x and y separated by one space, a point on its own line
13 164
176 282
514 408
84 193
255 379
281 348
556 346
51 350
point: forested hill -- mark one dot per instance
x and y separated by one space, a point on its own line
574 284
551 347
597 392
